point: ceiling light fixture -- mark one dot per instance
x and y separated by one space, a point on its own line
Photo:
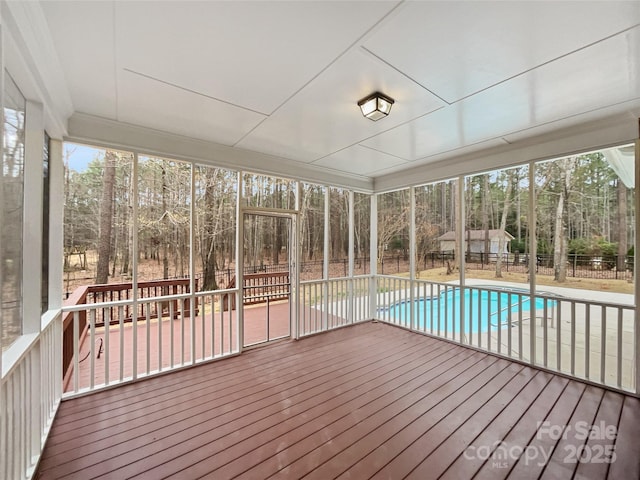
376 106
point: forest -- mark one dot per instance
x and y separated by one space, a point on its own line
582 209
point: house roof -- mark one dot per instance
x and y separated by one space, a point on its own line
475 235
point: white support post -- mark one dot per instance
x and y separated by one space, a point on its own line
533 227
412 254
56 223
296 244
636 248
32 274
325 262
2 409
460 226
373 257
32 229
192 267
134 264
350 295
239 263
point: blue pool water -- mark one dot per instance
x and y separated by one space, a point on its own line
483 310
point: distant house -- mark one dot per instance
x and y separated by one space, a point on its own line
476 237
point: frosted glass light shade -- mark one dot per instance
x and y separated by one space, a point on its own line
376 106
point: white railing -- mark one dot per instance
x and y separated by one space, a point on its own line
329 304
585 339
29 396
169 332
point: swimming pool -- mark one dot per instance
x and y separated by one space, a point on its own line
483 309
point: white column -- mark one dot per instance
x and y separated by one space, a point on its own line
56 223
636 250
533 227
412 254
32 230
325 262
373 254
350 299
239 262
460 227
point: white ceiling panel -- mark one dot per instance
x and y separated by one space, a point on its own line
360 160
459 48
631 108
588 80
324 117
283 78
83 36
153 104
426 162
255 54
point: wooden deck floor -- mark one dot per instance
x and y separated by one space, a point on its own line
367 401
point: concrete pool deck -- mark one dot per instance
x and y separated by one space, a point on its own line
554 350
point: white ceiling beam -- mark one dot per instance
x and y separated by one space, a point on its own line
109 133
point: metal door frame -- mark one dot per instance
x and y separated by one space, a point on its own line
292 215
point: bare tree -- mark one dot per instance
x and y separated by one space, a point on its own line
622 226
503 223
106 217
560 240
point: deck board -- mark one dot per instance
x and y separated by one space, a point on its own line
367 401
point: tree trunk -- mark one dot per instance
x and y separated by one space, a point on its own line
127 262
106 217
622 226
560 240
503 224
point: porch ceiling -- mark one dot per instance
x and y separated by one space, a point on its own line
283 78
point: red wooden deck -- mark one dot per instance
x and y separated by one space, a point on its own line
367 401
168 348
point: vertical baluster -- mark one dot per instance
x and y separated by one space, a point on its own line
106 315
451 300
212 331
222 326
121 338
310 308
148 324
555 309
587 341
92 344
545 329
573 337
423 314
479 318
230 329
499 322
432 303
171 333
488 312
619 351
520 317
313 303
76 352
160 313
603 340
446 312
182 331
509 333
